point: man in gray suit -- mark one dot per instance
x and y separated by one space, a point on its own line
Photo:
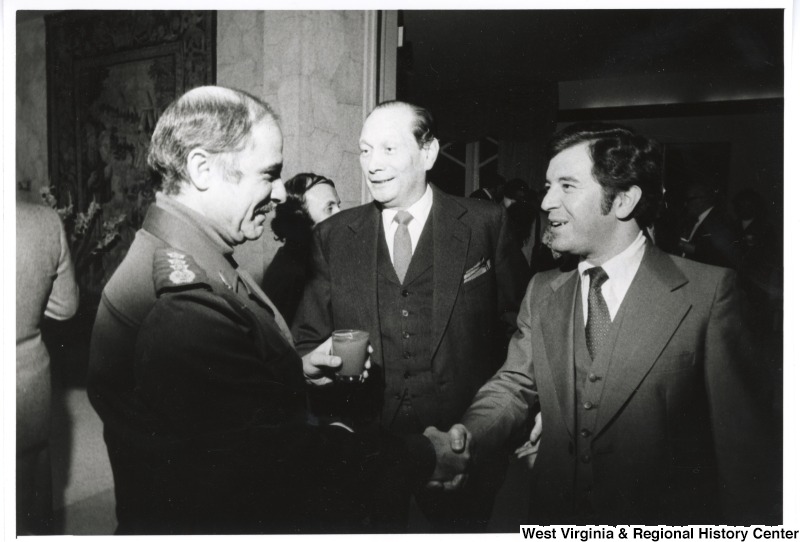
46 287
435 279
637 360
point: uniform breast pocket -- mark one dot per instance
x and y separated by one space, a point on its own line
674 362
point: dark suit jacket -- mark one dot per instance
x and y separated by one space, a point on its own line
676 431
472 321
714 240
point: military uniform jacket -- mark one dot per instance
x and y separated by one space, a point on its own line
129 297
203 398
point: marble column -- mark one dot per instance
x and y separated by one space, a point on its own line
314 68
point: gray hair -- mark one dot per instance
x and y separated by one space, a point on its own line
216 119
423 126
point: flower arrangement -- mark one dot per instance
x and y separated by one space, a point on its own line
89 236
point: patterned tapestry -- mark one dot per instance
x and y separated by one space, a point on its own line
110 74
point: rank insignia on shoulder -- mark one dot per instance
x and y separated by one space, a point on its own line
175 270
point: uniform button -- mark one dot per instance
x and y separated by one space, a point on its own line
586 458
404 313
588 405
407 375
405 293
406 335
585 433
407 355
593 377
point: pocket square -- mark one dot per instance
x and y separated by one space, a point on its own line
477 270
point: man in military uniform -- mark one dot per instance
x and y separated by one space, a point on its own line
192 368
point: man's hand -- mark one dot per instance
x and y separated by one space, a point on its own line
530 449
320 366
453 455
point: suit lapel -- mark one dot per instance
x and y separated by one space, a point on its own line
651 311
361 272
450 245
557 330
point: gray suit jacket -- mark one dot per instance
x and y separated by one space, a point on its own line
45 287
676 437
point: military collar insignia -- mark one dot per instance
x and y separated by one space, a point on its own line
176 270
225 281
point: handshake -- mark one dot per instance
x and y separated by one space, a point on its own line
455 449
454 454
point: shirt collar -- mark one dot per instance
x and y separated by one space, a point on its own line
419 210
624 264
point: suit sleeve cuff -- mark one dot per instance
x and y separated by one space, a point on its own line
422 457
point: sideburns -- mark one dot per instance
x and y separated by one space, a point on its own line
608 201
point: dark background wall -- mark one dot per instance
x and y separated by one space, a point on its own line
681 76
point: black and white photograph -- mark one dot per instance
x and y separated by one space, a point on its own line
464 269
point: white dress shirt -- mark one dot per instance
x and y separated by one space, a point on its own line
620 270
419 210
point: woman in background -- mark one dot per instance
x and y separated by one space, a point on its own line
310 199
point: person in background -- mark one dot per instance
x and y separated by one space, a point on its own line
482 193
310 199
707 236
759 257
435 280
758 249
530 226
491 188
514 191
758 242
46 287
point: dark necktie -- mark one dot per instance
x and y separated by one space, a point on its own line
402 244
598 323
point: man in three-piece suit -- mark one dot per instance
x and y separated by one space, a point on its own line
637 360
436 281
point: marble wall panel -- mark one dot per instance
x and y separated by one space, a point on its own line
316 62
240 42
309 66
31 115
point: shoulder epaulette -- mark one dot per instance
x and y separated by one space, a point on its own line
175 270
